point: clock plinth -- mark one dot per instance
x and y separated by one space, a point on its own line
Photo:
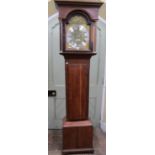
77 43
77 137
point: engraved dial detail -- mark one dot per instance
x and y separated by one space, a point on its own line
77 34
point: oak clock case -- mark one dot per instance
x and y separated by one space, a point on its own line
77 43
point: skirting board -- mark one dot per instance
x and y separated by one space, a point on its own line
103 126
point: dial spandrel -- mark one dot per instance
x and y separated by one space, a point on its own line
77 34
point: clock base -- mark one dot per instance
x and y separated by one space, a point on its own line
77 151
77 137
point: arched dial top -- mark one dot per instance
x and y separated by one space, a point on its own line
77 34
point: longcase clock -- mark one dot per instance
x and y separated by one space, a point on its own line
78 44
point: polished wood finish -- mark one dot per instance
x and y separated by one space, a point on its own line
89 9
77 85
80 2
77 137
55 142
77 129
77 151
77 72
77 82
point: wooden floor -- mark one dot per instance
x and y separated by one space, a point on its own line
55 142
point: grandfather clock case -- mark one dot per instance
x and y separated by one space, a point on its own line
78 44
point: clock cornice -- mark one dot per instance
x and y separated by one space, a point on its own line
94 3
90 7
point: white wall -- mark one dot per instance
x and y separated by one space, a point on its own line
103 110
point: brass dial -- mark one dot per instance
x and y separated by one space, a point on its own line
77 34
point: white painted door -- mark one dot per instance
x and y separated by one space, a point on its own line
56 76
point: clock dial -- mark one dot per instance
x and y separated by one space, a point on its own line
77 34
